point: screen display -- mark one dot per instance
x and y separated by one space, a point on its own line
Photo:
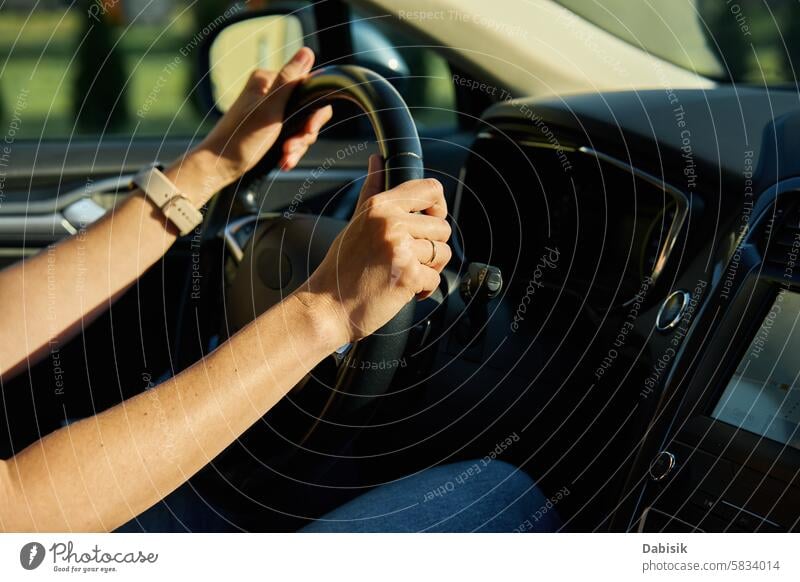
763 396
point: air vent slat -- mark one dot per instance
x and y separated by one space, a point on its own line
779 242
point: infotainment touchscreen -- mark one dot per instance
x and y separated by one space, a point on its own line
763 396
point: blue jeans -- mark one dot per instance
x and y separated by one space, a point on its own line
462 497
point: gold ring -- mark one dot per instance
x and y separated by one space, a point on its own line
433 253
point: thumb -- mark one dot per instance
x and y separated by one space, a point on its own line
293 71
374 182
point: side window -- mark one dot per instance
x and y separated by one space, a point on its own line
95 67
422 76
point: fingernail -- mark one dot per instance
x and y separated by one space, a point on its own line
302 57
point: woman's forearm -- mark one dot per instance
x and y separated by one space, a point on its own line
102 471
51 296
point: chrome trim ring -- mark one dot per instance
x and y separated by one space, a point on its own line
662 325
665 469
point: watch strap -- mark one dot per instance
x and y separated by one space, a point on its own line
165 195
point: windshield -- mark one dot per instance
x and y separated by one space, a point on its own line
742 41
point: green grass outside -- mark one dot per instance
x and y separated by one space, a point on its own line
41 61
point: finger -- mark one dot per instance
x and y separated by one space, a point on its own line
261 80
290 160
427 280
435 259
293 71
294 149
426 195
374 182
299 142
316 120
429 227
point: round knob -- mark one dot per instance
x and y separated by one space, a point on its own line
662 466
481 282
672 310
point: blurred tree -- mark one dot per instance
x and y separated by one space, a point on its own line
728 41
205 12
99 97
791 36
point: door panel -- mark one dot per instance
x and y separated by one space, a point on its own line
55 188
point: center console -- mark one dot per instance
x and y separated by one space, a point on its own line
723 453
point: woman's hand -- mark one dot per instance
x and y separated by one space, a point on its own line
383 258
249 129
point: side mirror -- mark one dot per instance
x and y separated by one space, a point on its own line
265 39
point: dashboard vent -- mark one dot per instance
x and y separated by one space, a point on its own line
783 239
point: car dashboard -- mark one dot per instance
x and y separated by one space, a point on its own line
644 239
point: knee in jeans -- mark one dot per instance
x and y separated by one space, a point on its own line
501 476
502 471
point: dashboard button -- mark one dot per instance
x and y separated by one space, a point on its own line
672 310
662 466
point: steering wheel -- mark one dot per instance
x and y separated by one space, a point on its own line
285 249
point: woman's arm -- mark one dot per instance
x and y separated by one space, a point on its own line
102 471
48 298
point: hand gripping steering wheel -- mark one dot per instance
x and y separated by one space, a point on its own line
284 250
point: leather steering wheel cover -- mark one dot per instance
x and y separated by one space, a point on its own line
368 369
385 108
